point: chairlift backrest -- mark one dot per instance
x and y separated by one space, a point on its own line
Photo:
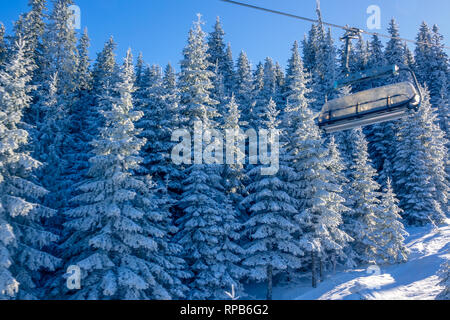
381 97
369 106
375 105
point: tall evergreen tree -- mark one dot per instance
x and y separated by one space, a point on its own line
310 48
61 61
324 72
60 49
265 89
220 58
31 27
243 86
320 202
391 232
209 227
3 47
104 72
364 203
139 71
444 275
420 177
23 238
119 231
234 174
271 227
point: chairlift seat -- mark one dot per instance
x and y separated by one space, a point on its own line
367 107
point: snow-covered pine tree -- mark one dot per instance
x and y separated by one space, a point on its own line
22 236
243 86
409 57
324 72
31 27
104 73
364 203
420 177
271 226
257 88
281 85
149 102
209 226
320 202
270 81
228 72
310 48
60 51
220 58
172 120
438 83
422 53
234 174
218 92
3 47
336 165
296 92
60 60
119 230
158 100
216 47
139 71
391 231
265 89
84 117
444 275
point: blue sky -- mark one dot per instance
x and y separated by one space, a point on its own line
159 28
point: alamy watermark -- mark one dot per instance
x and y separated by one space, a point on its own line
73 277
208 146
75 17
374 20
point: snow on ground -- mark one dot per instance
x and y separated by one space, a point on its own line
414 280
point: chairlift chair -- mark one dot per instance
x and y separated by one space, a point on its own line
377 105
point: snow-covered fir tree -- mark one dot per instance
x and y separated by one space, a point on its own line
84 116
243 86
104 73
444 274
208 229
61 61
391 231
139 71
271 227
31 27
234 174
310 48
119 229
265 89
325 72
220 57
364 203
320 203
60 49
3 47
257 87
23 238
420 177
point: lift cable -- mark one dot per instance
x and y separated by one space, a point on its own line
346 28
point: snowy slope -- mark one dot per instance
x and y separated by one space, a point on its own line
415 279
